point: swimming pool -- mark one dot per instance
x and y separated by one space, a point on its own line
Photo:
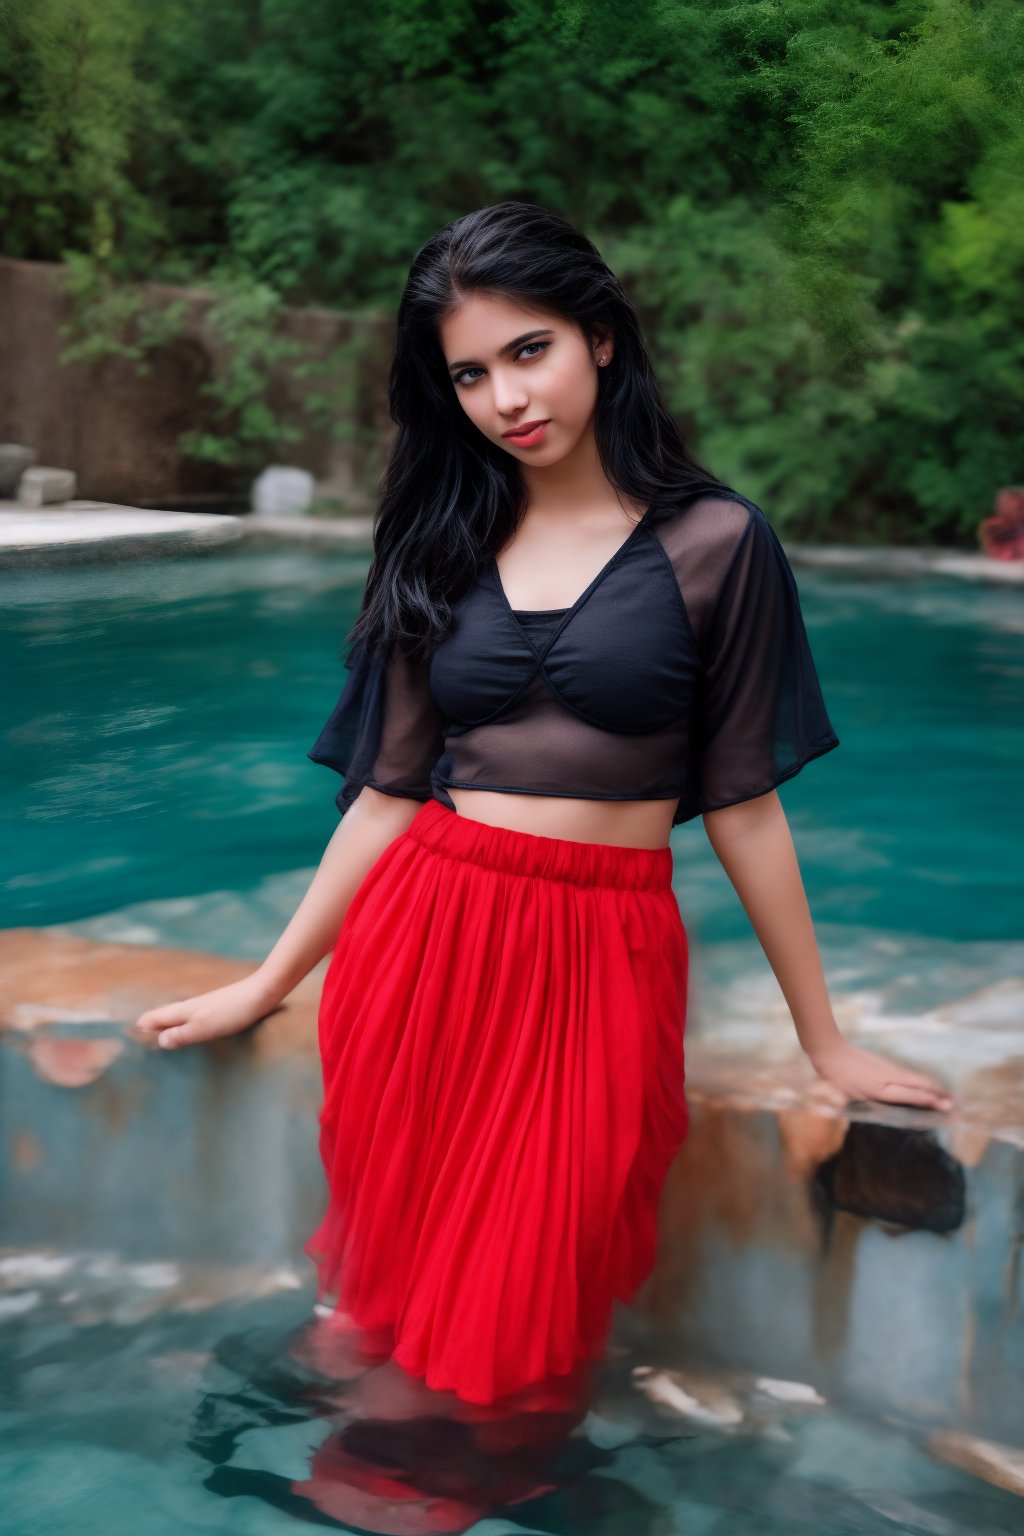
156 784
124 1416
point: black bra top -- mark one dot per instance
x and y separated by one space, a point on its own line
682 672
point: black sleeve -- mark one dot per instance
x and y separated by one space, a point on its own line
762 712
385 730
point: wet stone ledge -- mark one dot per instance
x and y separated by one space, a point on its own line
80 532
907 561
91 532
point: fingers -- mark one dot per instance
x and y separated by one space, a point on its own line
160 1018
189 1033
172 1025
918 1080
928 1097
909 1080
170 1038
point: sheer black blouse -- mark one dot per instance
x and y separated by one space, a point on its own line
682 672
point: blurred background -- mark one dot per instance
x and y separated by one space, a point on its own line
207 212
817 208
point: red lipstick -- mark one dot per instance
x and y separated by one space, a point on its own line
528 434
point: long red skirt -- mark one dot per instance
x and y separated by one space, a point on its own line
501 1031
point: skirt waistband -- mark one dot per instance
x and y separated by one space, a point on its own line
444 831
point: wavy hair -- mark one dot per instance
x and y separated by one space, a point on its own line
450 498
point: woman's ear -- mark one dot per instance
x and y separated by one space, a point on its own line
602 345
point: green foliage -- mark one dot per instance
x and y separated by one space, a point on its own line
112 319
243 329
241 427
817 206
71 106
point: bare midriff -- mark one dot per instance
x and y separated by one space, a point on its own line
622 823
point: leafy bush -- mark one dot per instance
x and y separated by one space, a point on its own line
817 206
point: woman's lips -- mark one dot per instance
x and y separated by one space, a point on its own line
529 438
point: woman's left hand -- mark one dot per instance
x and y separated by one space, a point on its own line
863 1075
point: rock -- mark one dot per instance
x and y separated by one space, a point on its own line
283 492
789 1391
15 458
1001 1465
45 487
698 1397
898 1175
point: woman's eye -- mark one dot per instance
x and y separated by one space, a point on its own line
533 348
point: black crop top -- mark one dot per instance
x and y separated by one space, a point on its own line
683 672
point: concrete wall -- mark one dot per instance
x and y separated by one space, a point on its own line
118 430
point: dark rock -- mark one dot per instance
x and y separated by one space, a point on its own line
892 1174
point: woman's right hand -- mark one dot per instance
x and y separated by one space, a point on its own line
209 1015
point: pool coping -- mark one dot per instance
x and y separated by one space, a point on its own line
54 976
94 531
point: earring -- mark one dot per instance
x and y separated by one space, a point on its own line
601 361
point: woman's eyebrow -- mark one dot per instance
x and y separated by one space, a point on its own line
509 346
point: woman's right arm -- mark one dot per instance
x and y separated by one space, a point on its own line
370 823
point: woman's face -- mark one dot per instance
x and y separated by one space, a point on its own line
513 367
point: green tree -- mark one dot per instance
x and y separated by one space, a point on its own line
816 206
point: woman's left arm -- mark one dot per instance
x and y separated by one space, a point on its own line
754 845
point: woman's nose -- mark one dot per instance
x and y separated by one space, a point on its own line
509 395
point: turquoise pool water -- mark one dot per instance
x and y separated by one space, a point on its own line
155 784
122 1416
155 789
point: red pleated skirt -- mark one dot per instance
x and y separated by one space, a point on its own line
501 1032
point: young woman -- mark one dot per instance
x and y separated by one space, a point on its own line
572 639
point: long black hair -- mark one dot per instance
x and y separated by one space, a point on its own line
450 498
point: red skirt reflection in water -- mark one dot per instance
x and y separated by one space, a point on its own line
501 1032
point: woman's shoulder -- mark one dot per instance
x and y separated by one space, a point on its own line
705 529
